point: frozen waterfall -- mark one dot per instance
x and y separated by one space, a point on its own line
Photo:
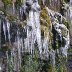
26 37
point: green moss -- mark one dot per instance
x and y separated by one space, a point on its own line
6 2
45 23
18 3
70 50
11 17
62 68
50 68
9 63
30 63
3 10
44 16
66 23
61 63
66 1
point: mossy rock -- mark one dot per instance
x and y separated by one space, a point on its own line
67 25
62 68
18 3
50 68
45 30
45 23
64 33
6 46
30 63
44 16
6 2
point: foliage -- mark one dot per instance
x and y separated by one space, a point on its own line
9 63
66 23
70 51
66 1
61 63
7 2
18 3
44 16
30 63
45 23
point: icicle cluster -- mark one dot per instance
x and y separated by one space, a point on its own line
59 27
22 39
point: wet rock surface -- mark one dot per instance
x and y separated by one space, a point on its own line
21 39
1 4
69 63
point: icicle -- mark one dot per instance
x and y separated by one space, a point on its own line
22 48
28 41
37 25
13 2
52 57
65 48
12 57
4 29
19 50
8 29
13 8
58 28
45 45
32 43
33 21
0 31
13 54
7 60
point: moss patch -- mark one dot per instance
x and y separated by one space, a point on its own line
45 18
66 23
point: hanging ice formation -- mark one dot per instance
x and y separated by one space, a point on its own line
22 39
59 27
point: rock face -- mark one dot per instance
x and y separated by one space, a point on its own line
36 40
71 34
1 4
71 23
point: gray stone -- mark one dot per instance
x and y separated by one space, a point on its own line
1 4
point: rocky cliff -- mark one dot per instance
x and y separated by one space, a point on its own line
35 35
